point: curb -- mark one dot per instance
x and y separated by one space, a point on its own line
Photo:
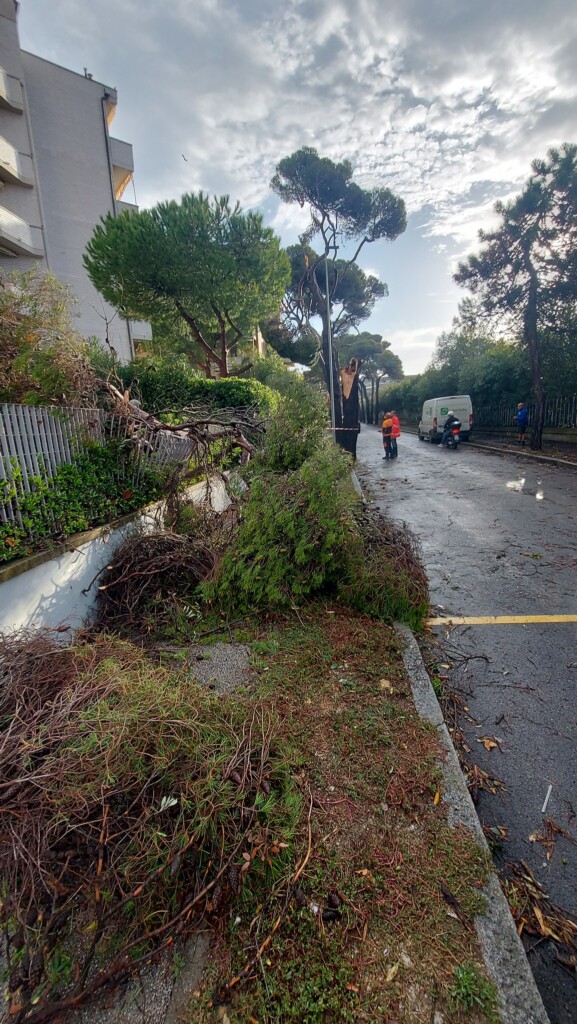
502 950
501 947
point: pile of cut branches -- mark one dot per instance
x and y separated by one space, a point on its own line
152 577
133 804
385 576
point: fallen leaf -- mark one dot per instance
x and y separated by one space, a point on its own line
392 973
488 742
352 988
437 797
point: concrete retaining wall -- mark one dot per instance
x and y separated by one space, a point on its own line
53 588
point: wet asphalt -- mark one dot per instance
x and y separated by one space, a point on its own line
498 536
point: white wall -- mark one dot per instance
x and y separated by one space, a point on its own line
71 148
14 127
52 594
63 138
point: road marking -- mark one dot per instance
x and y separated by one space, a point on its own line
496 620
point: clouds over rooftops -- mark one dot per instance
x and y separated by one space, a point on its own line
428 98
447 103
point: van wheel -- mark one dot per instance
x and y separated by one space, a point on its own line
432 438
420 436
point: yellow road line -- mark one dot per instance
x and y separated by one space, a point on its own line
496 620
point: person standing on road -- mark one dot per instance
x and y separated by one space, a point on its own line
396 433
521 417
387 432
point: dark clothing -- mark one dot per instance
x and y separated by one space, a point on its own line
447 428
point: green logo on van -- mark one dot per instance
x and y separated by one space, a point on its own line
444 410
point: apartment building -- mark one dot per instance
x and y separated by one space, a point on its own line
60 172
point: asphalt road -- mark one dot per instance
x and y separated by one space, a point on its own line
499 537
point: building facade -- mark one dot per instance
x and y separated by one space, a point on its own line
60 172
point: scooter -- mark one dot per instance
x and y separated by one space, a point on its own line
454 438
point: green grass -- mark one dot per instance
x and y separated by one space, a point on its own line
379 843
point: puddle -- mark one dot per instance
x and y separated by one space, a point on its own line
519 486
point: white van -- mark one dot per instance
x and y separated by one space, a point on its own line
435 412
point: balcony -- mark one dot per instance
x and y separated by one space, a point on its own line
10 92
121 207
122 165
19 237
15 167
141 331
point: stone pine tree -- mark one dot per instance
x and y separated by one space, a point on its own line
199 266
341 212
526 270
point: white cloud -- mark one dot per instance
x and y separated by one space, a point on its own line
445 103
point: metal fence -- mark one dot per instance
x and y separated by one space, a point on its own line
559 413
35 441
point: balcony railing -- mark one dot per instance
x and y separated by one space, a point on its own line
10 92
15 167
18 236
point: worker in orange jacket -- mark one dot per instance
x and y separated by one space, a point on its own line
387 432
395 434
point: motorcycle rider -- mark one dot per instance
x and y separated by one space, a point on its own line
451 419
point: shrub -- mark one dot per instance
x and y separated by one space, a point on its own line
290 541
305 533
43 359
94 489
173 385
297 429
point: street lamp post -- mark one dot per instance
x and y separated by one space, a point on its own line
330 350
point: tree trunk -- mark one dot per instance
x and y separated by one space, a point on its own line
351 423
335 372
531 338
364 402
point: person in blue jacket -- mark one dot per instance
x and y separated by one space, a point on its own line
521 417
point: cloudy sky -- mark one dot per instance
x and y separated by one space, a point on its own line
447 102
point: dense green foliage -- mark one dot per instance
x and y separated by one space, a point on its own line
292 532
96 488
298 427
199 269
43 359
525 274
492 372
303 533
172 385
